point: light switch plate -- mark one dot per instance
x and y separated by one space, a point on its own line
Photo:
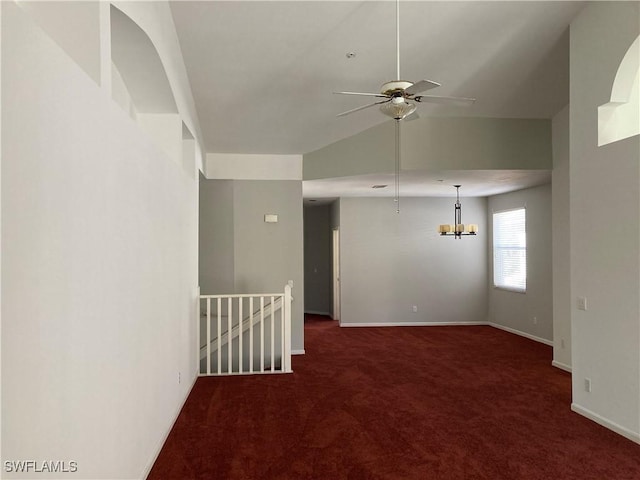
582 303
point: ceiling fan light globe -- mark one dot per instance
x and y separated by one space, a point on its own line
397 110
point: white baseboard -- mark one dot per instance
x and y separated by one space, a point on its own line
448 324
158 449
619 429
297 352
522 334
561 366
410 324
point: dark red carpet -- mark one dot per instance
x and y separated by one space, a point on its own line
396 403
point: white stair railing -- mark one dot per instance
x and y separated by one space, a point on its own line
233 343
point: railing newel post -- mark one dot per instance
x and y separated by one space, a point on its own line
286 308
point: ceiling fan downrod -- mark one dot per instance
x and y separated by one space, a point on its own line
398 40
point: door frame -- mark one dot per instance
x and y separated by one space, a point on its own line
335 260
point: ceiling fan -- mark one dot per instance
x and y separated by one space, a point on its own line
397 95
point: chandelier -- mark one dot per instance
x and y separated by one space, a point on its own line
458 228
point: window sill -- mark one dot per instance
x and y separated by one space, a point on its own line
510 289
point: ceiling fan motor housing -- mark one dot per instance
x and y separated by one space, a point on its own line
395 88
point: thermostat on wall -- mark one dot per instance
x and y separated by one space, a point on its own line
270 218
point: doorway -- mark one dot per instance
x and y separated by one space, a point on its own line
317 260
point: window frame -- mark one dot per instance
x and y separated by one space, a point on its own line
509 288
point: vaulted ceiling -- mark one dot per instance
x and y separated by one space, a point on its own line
263 72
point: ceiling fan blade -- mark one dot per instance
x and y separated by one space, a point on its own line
412 117
379 95
361 108
421 86
463 101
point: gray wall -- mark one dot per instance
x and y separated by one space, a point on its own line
605 226
561 242
390 262
515 310
434 144
317 259
264 255
216 239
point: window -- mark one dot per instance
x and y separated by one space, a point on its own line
510 250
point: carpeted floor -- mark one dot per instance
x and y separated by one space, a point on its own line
396 403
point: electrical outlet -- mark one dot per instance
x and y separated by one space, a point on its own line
562 343
535 320
582 303
179 379
587 385
415 309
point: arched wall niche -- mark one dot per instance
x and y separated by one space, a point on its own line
139 65
620 117
140 85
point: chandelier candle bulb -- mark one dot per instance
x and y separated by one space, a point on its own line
444 228
460 228
472 228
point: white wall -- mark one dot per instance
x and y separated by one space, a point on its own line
391 262
120 93
165 130
99 272
561 255
531 313
157 22
74 26
605 226
189 158
226 166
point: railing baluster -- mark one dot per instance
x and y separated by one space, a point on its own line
208 336
229 331
267 311
261 334
199 334
240 336
250 334
272 335
219 335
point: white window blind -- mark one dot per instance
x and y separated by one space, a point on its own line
510 250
